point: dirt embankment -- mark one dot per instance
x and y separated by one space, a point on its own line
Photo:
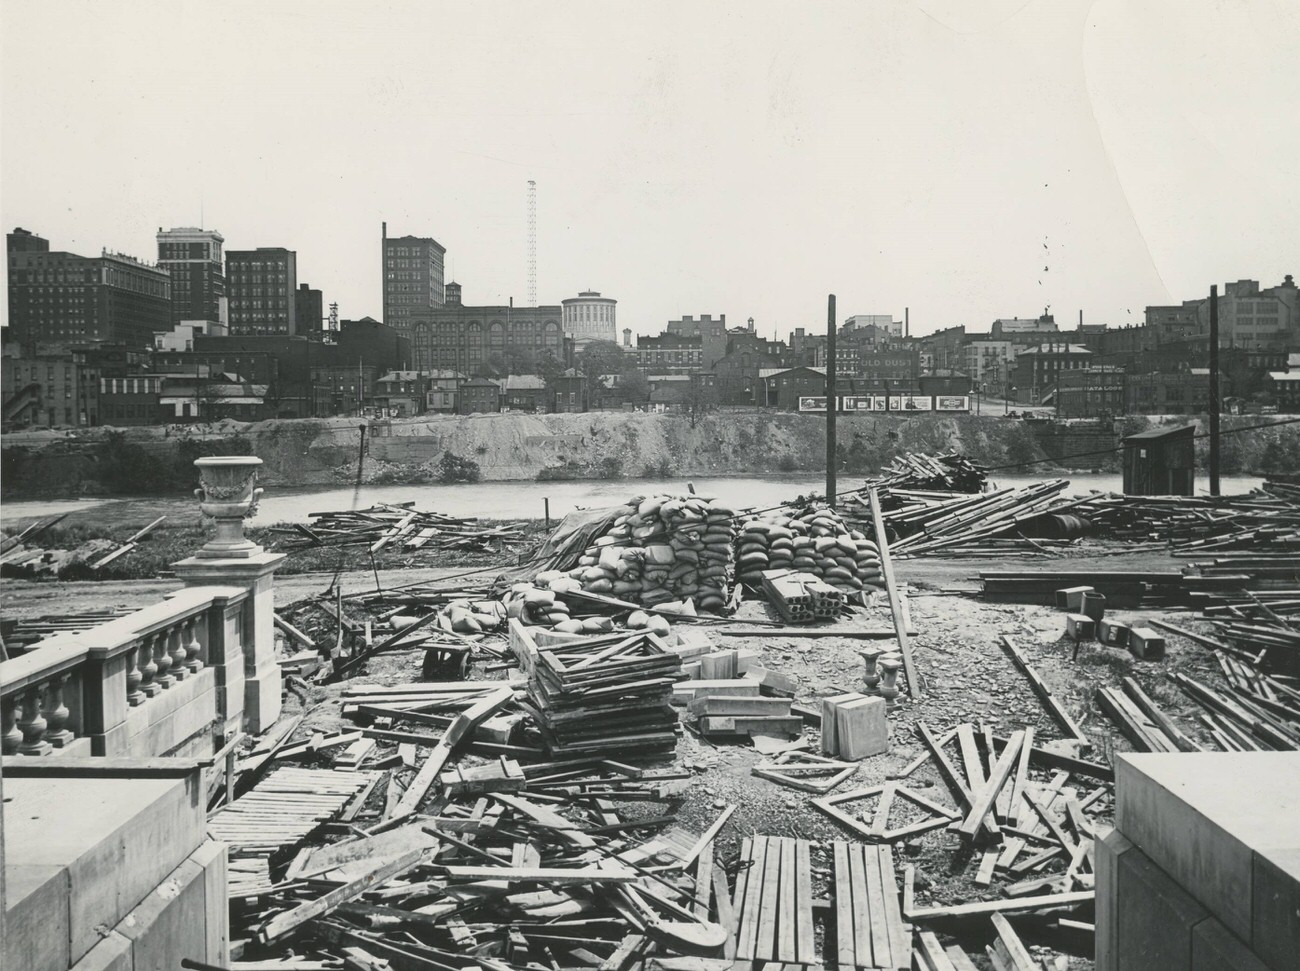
323 452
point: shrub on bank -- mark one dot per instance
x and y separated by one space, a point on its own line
454 468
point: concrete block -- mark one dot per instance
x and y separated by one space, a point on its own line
829 736
1107 851
1071 598
1214 948
170 924
746 658
1079 627
1154 916
113 953
78 748
112 743
262 698
1275 921
211 857
1093 604
718 665
1112 633
1146 644
36 919
861 729
1203 816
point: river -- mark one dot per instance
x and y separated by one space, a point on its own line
515 500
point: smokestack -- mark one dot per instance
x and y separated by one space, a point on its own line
907 322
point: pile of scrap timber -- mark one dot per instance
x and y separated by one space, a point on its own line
930 473
19 558
399 526
1128 589
20 636
1262 521
980 524
663 548
606 695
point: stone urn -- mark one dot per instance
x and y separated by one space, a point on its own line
228 493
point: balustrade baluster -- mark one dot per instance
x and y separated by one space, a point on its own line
163 660
134 696
56 713
193 648
176 637
148 669
32 725
11 737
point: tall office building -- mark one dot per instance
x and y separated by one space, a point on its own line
310 311
262 284
58 297
193 258
413 270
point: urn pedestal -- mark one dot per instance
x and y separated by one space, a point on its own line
229 494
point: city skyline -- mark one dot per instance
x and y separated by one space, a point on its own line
967 165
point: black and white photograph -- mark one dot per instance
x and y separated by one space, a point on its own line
593 485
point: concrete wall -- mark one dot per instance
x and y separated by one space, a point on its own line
1202 871
107 866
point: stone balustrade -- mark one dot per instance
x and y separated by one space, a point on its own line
175 678
94 691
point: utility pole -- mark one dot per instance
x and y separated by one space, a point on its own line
830 400
1214 389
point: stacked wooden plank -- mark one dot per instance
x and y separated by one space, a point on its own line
606 698
944 522
869 927
397 525
773 902
23 635
1124 589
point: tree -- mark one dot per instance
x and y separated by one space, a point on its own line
602 357
701 399
549 368
634 386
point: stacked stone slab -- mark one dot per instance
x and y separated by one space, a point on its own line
668 548
1202 870
815 541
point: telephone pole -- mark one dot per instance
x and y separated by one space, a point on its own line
1214 389
830 400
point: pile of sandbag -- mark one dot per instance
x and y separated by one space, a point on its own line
668 548
540 604
815 541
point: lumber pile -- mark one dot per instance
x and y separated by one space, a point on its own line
21 636
608 695
665 548
724 715
930 473
399 526
20 559
814 540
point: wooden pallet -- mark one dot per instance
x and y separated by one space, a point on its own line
284 808
869 928
773 902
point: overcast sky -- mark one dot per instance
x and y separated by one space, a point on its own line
969 160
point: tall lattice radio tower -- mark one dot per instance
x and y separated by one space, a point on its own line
532 243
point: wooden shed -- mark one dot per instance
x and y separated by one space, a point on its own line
1161 462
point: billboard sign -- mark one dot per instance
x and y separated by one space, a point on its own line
951 402
812 403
